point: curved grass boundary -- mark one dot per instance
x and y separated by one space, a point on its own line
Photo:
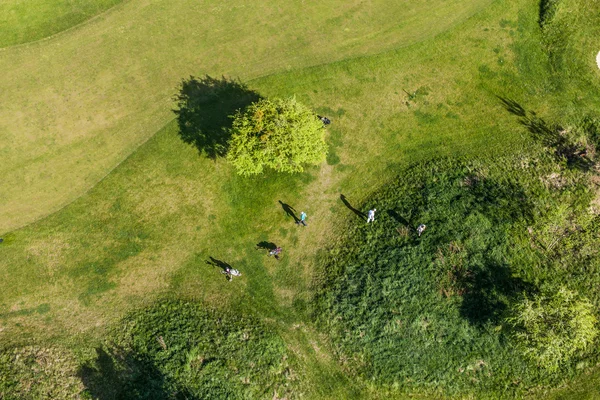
28 21
79 103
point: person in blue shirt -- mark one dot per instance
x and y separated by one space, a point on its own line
302 219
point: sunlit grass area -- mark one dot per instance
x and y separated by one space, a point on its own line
165 221
77 105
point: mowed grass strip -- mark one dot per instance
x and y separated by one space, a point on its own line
31 20
78 104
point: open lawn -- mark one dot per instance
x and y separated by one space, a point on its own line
62 135
403 82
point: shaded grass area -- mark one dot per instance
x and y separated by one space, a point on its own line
28 21
427 311
204 109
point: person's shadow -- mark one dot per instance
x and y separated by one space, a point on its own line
218 263
204 110
264 245
400 219
290 211
354 210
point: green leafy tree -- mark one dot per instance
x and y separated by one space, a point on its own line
553 327
281 134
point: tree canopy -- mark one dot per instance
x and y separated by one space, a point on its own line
282 134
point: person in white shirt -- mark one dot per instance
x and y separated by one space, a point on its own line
371 215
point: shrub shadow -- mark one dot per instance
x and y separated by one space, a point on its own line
501 203
125 375
204 109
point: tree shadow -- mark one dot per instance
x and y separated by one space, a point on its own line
487 292
354 210
552 136
512 107
126 375
204 110
264 245
500 202
290 211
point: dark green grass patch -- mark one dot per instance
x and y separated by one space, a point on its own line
427 312
182 350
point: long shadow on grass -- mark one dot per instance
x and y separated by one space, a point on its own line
264 245
289 211
553 136
399 219
487 284
218 263
204 108
354 210
125 375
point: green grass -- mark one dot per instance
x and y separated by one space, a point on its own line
176 349
428 312
63 135
423 83
35 372
28 21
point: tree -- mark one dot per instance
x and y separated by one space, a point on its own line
552 327
204 106
281 134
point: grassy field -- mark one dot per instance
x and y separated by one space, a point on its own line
28 21
61 136
149 227
428 311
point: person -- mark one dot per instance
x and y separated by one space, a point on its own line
302 219
324 120
421 228
227 273
230 272
371 215
275 252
